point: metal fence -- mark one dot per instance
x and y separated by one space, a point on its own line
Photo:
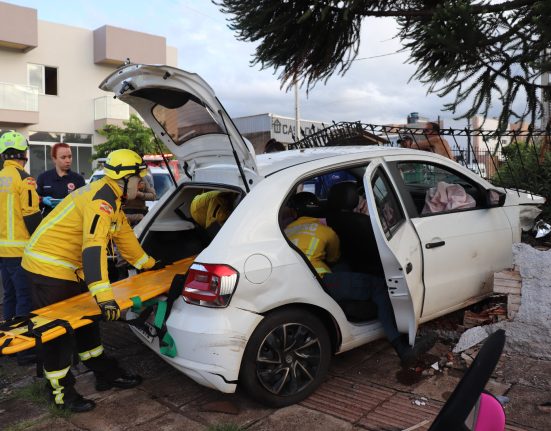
501 157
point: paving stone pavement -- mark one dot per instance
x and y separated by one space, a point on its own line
365 390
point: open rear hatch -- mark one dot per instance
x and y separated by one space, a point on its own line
186 116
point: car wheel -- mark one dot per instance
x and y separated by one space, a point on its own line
286 358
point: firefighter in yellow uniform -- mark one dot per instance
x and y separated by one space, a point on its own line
211 209
67 255
317 241
20 216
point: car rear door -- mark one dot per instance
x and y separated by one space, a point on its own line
187 117
399 247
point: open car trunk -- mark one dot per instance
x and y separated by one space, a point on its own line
172 233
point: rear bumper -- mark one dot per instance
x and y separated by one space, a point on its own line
209 341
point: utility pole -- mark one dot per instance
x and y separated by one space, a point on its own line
297 111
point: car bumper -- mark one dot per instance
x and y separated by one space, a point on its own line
209 342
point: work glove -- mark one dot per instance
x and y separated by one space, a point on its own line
110 310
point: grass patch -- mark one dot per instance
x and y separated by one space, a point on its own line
224 427
20 426
37 394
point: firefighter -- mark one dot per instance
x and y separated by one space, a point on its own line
67 255
211 209
20 216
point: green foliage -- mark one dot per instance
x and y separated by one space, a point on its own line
524 169
36 393
133 136
479 51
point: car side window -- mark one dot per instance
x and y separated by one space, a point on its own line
388 207
436 189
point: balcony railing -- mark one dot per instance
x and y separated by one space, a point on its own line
16 97
108 108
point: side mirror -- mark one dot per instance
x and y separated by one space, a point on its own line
495 198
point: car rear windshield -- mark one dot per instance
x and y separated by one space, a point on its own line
188 120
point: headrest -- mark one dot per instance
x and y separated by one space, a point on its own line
305 204
343 196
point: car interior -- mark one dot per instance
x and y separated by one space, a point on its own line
420 177
342 207
173 234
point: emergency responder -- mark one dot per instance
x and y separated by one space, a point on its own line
67 253
54 184
211 209
20 216
320 244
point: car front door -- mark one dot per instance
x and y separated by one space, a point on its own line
399 248
463 240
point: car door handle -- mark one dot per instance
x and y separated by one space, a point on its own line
409 267
435 244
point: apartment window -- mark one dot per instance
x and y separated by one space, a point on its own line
43 77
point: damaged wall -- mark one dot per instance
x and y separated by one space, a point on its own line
530 331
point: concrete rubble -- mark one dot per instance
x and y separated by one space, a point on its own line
528 293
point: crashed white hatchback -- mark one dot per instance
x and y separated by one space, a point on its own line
253 312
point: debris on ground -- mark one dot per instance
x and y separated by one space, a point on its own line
509 282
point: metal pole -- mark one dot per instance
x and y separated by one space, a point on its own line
297 112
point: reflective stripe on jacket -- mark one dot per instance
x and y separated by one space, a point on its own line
317 241
19 211
72 240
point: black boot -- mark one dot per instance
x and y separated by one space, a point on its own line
124 381
407 354
77 404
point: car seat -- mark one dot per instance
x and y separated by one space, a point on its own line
358 245
359 251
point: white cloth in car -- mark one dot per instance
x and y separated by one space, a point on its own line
447 197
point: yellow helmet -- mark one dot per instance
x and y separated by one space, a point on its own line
123 163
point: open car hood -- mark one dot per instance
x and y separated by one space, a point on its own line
185 115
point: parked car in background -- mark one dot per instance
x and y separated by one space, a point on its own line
253 311
161 181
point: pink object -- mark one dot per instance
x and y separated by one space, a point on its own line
447 197
491 416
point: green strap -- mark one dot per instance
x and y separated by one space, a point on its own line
169 347
160 315
138 305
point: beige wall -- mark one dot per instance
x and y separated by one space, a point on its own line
71 51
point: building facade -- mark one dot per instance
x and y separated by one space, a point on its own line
260 128
49 80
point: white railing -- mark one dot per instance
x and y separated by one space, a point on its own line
107 107
18 97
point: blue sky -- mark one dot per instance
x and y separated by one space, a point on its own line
375 90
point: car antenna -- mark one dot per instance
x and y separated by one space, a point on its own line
234 152
166 162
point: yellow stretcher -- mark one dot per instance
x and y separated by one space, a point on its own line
144 286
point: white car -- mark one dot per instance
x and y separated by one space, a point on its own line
253 311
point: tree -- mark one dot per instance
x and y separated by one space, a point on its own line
133 136
524 169
476 50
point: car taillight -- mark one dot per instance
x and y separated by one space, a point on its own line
210 285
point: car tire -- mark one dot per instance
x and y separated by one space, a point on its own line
286 358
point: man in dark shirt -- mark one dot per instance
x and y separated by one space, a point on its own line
55 184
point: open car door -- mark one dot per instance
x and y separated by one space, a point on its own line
399 248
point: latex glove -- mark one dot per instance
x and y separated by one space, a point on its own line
110 310
47 200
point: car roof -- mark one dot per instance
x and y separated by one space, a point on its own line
273 162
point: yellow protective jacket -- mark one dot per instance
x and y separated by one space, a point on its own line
19 212
210 207
317 241
71 242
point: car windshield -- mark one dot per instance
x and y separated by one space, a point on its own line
161 182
